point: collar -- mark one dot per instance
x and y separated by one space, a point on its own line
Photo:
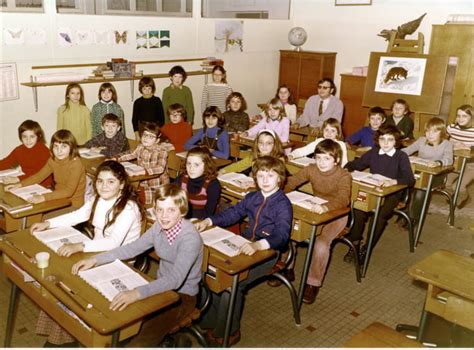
391 153
173 232
107 103
176 87
267 195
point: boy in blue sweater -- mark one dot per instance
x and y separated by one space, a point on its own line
270 217
364 137
388 160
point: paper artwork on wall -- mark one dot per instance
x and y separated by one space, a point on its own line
121 37
142 41
13 36
84 37
8 82
102 37
64 37
400 75
153 39
229 36
35 36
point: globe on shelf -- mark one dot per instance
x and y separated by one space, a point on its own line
297 37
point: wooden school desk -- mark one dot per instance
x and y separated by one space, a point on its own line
20 220
378 335
300 134
461 158
106 327
450 294
372 202
425 183
316 222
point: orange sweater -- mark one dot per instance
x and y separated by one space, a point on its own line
178 134
69 180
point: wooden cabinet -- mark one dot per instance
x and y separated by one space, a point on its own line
351 95
456 40
301 71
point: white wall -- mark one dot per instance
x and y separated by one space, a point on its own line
351 31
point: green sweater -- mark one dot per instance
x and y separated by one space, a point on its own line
182 96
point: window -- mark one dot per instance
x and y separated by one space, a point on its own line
261 9
181 8
22 5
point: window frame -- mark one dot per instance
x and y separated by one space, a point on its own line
12 7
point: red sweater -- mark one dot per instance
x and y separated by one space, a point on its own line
178 134
31 161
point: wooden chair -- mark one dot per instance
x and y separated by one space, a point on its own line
174 165
133 143
402 45
400 210
300 106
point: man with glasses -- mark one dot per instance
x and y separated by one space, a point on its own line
320 107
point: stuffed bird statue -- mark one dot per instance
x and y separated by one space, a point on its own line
403 30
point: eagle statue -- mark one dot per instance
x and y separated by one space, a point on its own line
403 30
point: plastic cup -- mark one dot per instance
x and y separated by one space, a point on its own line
42 260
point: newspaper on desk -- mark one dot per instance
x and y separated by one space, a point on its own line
27 192
224 241
113 278
304 200
369 179
54 238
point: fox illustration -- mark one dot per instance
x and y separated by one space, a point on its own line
395 73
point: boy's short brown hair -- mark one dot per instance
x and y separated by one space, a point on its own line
176 193
65 136
113 118
33 126
213 111
267 163
389 130
331 147
150 127
146 81
377 110
177 107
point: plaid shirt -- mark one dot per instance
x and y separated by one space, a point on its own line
173 232
155 162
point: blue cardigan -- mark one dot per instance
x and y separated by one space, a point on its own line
364 136
223 148
395 167
269 218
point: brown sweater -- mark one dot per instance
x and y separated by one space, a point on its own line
69 180
333 186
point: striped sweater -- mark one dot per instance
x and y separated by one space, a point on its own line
464 135
215 94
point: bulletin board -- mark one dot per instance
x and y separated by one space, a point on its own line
430 74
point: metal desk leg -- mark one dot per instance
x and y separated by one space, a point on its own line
24 222
424 209
115 338
230 311
371 236
421 328
458 183
307 263
11 312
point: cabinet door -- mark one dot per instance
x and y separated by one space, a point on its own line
351 95
311 70
289 72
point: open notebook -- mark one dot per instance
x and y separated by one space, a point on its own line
238 182
54 238
304 200
27 192
223 240
368 178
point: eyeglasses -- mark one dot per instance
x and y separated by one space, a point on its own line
386 139
149 136
322 87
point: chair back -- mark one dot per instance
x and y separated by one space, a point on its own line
174 165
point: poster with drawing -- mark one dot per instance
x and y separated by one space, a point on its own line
229 36
400 75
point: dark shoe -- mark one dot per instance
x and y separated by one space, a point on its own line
464 202
310 293
274 282
402 224
362 253
168 341
214 341
349 257
289 274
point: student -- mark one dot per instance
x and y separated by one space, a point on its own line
74 115
332 183
270 217
215 93
212 135
177 242
68 172
178 131
320 107
434 147
115 216
266 143
331 130
275 120
236 120
364 137
200 183
110 141
31 155
179 93
461 134
385 159
285 96
151 155
147 108
400 117
107 104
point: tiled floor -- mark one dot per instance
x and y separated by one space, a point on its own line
343 306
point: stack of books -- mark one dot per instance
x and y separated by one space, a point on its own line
13 209
133 169
209 63
27 192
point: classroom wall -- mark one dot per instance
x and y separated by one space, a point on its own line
351 31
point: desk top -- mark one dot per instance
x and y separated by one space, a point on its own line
12 200
305 131
378 335
378 191
465 153
317 219
99 317
91 165
447 270
432 171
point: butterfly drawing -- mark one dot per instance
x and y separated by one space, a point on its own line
66 37
120 37
101 37
15 34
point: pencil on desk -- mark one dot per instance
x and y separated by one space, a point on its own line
74 296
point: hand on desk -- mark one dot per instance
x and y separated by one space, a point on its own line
39 226
123 299
202 225
319 209
37 198
388 183
11 187
249 248
84 264
295 126
433 164
69 249
314 131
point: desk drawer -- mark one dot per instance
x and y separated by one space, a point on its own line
218 281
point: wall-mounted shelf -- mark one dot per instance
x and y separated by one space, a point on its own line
35 85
